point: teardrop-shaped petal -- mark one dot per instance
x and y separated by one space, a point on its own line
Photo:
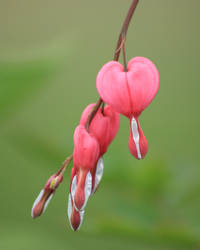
81 189
75 217
138 145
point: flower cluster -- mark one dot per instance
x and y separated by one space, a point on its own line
89 148
126 90
127 93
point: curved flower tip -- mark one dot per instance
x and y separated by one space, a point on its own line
75 217
46 194
81 189
83 185
138 145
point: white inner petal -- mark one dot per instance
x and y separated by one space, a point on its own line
88 189
98 174
136 136
36 201
69 211
73 188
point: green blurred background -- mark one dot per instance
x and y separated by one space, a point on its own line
50 53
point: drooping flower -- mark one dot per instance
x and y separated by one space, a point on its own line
104 128
85 156
129 93
46 194
88 162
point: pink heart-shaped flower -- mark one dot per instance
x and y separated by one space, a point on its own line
129 93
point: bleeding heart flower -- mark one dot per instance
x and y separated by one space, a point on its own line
104 128
85 156
129 93
88 162
46 194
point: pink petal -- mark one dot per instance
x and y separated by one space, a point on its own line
143 82
129 93
103 127
86 149
112 87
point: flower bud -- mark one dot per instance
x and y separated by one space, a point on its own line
46 195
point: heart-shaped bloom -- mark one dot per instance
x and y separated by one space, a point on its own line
46 195
85 156
129 93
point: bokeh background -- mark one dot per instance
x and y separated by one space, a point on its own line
50 53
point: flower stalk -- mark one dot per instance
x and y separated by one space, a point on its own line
120 44
126 89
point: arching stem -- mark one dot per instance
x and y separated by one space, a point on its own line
120 45
65 164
